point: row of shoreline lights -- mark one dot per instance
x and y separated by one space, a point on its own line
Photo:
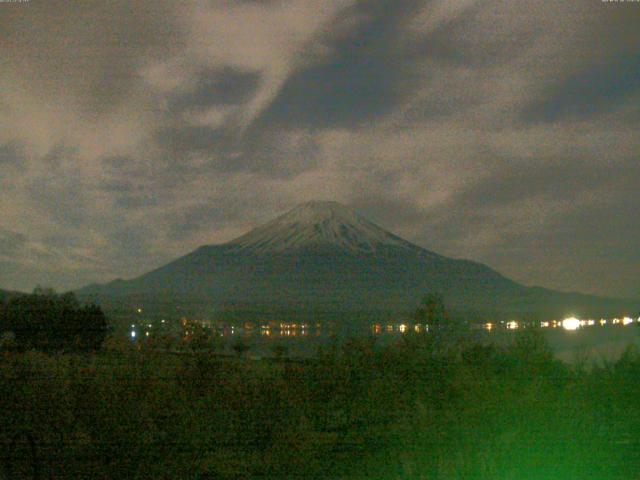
570 323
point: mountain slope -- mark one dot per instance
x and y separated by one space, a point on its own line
323 256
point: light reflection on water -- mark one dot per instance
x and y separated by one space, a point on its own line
591 338
292 330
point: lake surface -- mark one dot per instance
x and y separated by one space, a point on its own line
589 343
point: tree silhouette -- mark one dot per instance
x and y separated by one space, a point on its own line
46 321
431 311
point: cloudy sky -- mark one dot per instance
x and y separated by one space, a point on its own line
504 131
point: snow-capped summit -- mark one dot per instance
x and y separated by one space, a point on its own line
318 223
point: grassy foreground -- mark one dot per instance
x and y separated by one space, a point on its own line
417 409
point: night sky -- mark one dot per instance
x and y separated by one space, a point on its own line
507 132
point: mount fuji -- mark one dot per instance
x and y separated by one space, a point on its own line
324 257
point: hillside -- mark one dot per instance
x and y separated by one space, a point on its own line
322 256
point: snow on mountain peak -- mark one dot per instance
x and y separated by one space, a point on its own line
319 211
318 223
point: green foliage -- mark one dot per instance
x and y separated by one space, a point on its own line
358 410
240 347
280 351
46 321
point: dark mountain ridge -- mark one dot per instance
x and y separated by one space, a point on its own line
322 256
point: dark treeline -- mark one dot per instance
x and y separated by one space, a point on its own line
47 321
423 408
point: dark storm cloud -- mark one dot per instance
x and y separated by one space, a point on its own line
591 91
213 87
369 72
89 48
345 93
463 39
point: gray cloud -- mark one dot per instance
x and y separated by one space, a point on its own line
502 131
87 50
60 190
11 155
12 163
366 76
591 91
221 86
11 243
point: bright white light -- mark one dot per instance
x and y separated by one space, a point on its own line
133 334
571 323
146 333
402 328
603 321
512 325
488 326
139 310
591 322
544 324
627 321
